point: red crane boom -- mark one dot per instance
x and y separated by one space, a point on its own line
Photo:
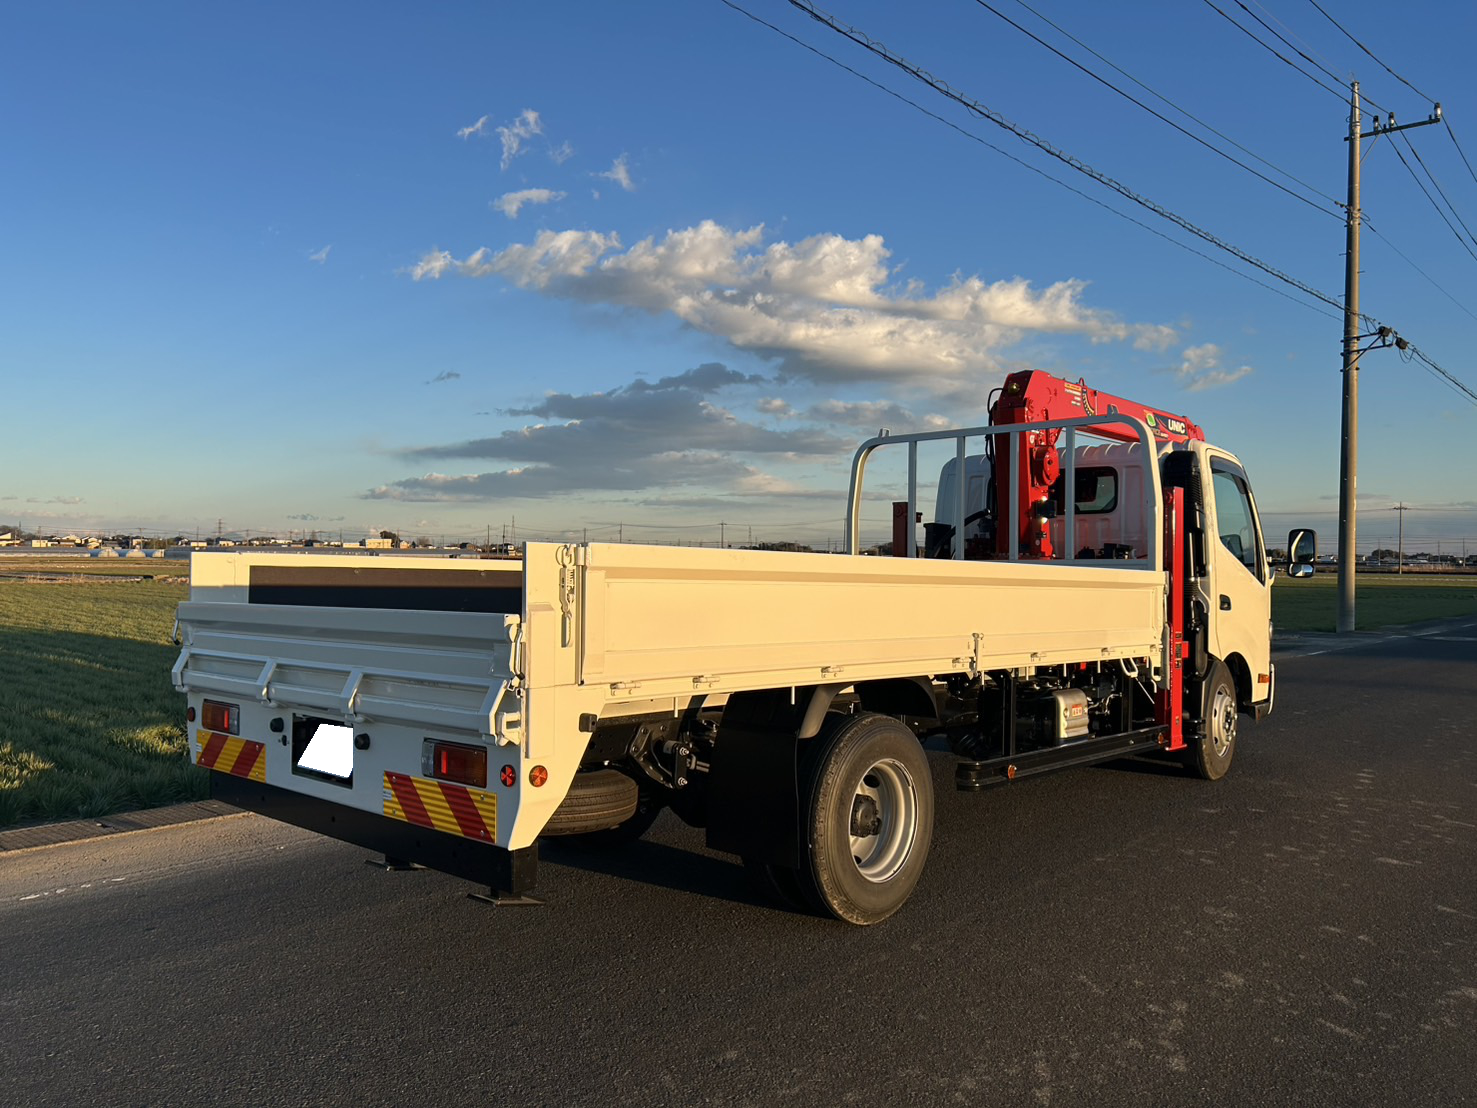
1033 397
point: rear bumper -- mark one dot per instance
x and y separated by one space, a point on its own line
502 870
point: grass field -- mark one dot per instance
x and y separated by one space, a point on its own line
15 566
1380 600
90 725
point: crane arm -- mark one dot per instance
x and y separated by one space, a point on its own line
1033 396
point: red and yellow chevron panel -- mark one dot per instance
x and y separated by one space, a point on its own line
441 805
238 757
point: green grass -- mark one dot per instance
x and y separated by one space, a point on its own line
80 565
89 723
1380 600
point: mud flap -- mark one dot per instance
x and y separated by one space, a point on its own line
754 794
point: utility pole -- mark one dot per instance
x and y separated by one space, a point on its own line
1349 441
1400 564
1349 437
722 541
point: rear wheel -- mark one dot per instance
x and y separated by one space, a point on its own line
1210 754
869 820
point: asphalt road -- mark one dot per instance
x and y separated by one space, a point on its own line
1301 933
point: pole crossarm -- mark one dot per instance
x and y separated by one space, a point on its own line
1390 127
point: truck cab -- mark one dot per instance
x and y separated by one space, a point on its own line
1229 575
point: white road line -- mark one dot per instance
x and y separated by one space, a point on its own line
48 893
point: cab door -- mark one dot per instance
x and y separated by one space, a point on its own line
1240 576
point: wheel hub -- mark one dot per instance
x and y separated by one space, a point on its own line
884 820
866 819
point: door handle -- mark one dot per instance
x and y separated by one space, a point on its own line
1225 603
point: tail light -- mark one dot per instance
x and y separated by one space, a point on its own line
466 765
225 718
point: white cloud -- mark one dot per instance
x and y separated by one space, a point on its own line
321 256
1199 369
444 375
509 203
433 265
620 173
561 153
516 133
821 307
478 128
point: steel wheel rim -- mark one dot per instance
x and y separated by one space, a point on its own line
888 786
1223 721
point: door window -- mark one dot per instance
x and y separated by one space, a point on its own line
1235 518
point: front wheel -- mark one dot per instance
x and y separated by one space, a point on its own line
869 821
1210 754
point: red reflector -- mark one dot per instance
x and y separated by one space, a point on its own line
190 714
225 718
508 776
466 765
537 776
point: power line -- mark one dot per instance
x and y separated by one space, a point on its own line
1366 49
1459 149
1270 15
1152 111
1431 198
1417 155
1276 53
1443 374
1375 231
1025 164
1188 115
1334 77
881 51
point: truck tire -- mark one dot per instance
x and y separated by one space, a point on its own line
1210 754
598 799
648 807
869 819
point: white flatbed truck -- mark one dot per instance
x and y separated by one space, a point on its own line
451 712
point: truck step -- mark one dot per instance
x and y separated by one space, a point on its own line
971 776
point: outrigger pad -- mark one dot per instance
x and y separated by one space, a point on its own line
506 900
392 865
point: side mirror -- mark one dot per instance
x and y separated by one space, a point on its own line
1302 551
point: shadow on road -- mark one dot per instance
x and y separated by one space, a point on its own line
663 865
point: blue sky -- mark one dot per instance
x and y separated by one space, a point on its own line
643 269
